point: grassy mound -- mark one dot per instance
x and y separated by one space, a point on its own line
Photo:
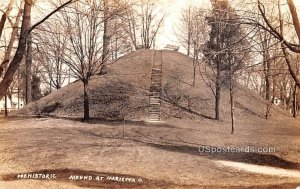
123 93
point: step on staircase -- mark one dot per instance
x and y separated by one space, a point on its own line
155 87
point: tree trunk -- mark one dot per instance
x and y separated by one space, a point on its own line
267 79
269 107
267 68
190 31
293 11
195 61
86 108
296 23
295 101
217 105
231 101
18 94
232 110
8 77
106 39
5 16
5 106
14 33
28 79
289 64
267 73
218 94
194 73
36 93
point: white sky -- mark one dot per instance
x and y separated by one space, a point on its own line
166 34
173 12
173 9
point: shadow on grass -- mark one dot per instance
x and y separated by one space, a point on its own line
250 158
168 99
244 108
193 149
120 122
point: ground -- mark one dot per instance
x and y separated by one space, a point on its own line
138 154
161 155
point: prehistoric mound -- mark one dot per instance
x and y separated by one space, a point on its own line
123 93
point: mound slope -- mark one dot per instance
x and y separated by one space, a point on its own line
123 93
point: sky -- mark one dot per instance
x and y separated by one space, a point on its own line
173 12
173 9
166 34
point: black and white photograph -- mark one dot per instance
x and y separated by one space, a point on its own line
149 94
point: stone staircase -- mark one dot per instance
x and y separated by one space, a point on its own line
155 87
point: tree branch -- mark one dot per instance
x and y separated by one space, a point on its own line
50 14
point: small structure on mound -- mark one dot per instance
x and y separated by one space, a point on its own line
172 47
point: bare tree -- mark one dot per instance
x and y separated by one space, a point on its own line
151 21
192 32
144 19
6 15
269 26
200 34
25 30
266 23
120 44
52 41
14 33
131 26
13 66
84 50
106 36
113 11
184 28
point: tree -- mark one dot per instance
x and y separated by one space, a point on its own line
151 21
130 27
185 28
14 33
284 50
84 50
272 28
144 19
21 49
120 44
52 41
268 25
226 50
106 36
28 70
192 33
13 66
112 11
5 15
265 44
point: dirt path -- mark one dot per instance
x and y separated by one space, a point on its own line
265 170
162 155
